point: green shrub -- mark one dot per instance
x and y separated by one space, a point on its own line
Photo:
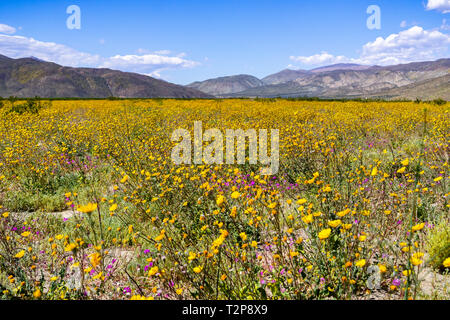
438 244
439 102
29 106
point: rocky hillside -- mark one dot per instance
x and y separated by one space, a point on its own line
227 85
31 77
423 90
343 81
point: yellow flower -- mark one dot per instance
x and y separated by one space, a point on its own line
20 254
235 195
192 256
272 205
124 179
334 223
25 234
343 213
87 208
416 261
347 226
362 238
293 253
95 259
401 170
98 276
153 271
243 236
37 294
405 162
325 233
382 268
220 200
139 297
361 263
5 214
406 249
223 277
179 291
308 219
374 171
70 247
418 227
198 269
161 235
437 179
446 263
301 201
113 207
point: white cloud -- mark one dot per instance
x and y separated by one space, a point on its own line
146 63
4 28
163 52
319 59
403 24
413 44
440 5
19 47
159 52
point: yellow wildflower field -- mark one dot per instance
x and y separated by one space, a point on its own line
93 207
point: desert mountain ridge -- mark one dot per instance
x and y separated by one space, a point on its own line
343 81
29 77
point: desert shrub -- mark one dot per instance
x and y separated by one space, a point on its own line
33 106
438 244
439 102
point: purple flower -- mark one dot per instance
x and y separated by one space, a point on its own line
126 290
396 282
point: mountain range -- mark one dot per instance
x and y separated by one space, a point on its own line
29 77
423 80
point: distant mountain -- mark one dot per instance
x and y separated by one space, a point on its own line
343 81
29 77
285 76
424 90
227 85
291 75
340 66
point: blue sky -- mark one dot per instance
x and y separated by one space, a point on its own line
185 41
